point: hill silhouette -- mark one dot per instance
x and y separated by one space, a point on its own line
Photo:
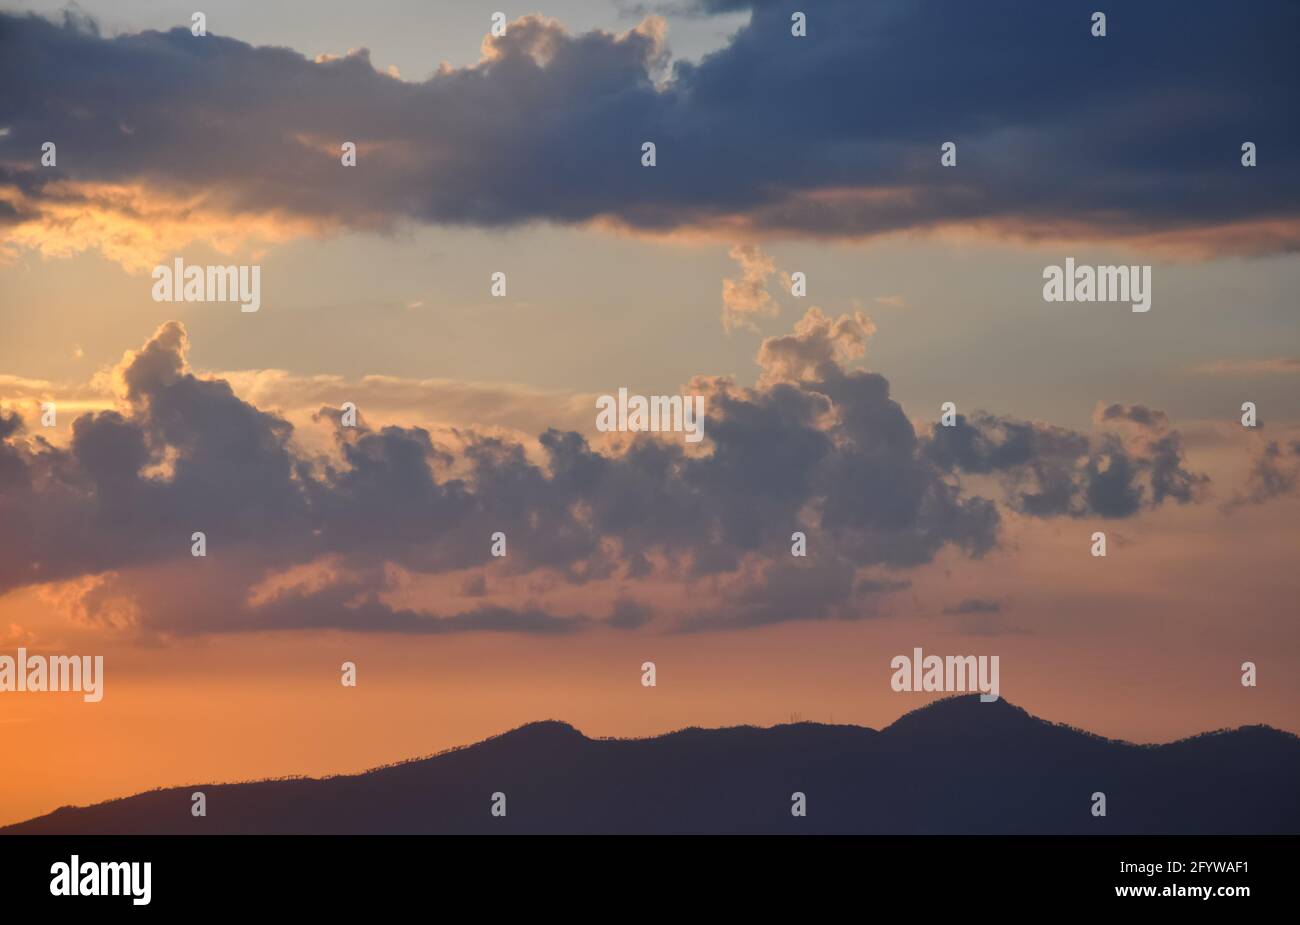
954 766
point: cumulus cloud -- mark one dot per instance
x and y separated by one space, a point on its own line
350 539
1131 462
164 138
816 348
747 298
1274 473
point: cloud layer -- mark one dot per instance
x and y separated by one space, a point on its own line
835 134
367 536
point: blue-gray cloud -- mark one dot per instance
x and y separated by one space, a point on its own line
838 133
1051 471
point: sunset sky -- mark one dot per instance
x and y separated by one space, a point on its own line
522 154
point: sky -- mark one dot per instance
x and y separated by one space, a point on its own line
522 154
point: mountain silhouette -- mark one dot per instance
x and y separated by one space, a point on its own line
954 766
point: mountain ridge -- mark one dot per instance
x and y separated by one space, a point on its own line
953 765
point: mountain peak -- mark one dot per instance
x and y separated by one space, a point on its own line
964 716
542 731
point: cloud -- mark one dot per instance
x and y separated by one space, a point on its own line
138 225
979 616
630 615
746 299
804 589
817 347
379 533
433 402
1131 462
164 137
1274 473
19 393
1140 416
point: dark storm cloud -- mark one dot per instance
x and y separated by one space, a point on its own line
1134 133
